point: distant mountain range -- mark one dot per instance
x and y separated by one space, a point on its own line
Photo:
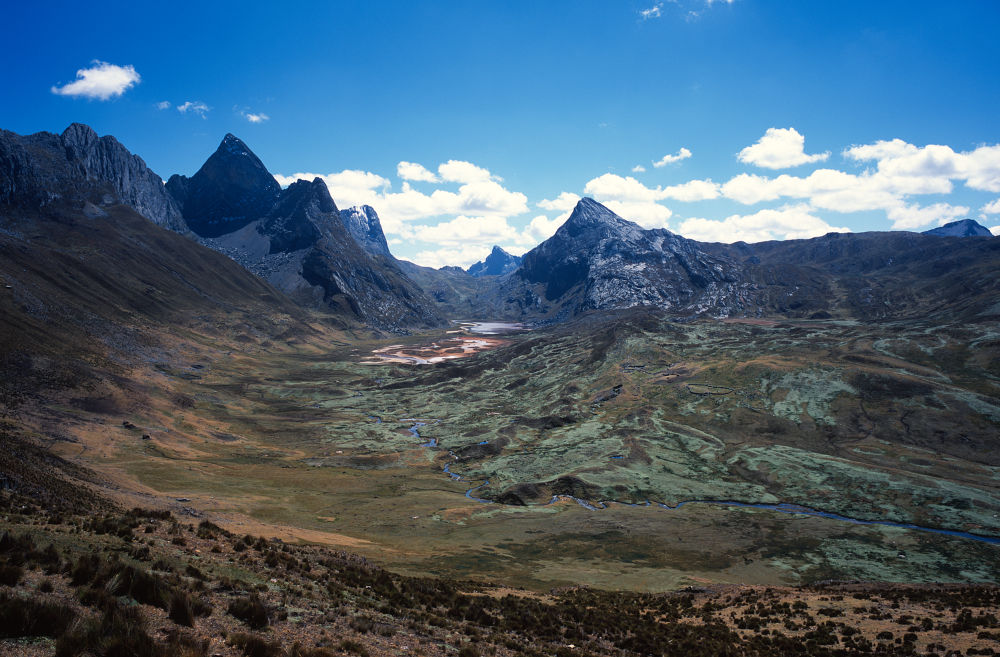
321 257
497 263
961 228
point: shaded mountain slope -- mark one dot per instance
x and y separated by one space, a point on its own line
599 261
297 240
37 170
231 189
877 275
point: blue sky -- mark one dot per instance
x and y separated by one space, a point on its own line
775 119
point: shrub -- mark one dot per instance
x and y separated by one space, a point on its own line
26 617
251 611
10 575
348 645
256 646
181 611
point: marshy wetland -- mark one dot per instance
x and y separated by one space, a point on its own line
548 458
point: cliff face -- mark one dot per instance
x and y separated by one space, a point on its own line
79 166
232 189
363 224
299 241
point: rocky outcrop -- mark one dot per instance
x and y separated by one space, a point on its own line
364 226
79 166
299 241
961 228
229 191
597 260
497 263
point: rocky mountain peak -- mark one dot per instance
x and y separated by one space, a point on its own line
230 190
497 263
362 222
80 166
594 221
79 136
961 228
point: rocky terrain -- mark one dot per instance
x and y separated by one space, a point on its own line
77 167
497 263
688 448
298 240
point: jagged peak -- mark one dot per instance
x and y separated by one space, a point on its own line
589 215
79 135
233 145
314 190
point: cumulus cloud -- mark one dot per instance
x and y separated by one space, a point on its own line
692 190
682 154
779 148
163 104
638 169
979 168
542 228
464 172
414 171
612 187
653 12
995 230
993 207
630 199
255 117
647 215
195 107
462 256
482 196
102 81
787 222
911 217
565 202
463 230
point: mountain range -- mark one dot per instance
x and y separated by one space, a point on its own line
338 261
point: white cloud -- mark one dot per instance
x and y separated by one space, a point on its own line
692 190
682 154
779 148
638 169
911 217
647 215
462 256
993 207
565 202
788 222
613 187
653 12
255 118
478 198
630 199
980 168
195 107
463 230
995 230
464 172
102 81
414 171
542 228
163 104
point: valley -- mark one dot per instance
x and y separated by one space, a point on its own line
220 393
845 418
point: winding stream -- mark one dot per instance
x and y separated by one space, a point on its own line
781 507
